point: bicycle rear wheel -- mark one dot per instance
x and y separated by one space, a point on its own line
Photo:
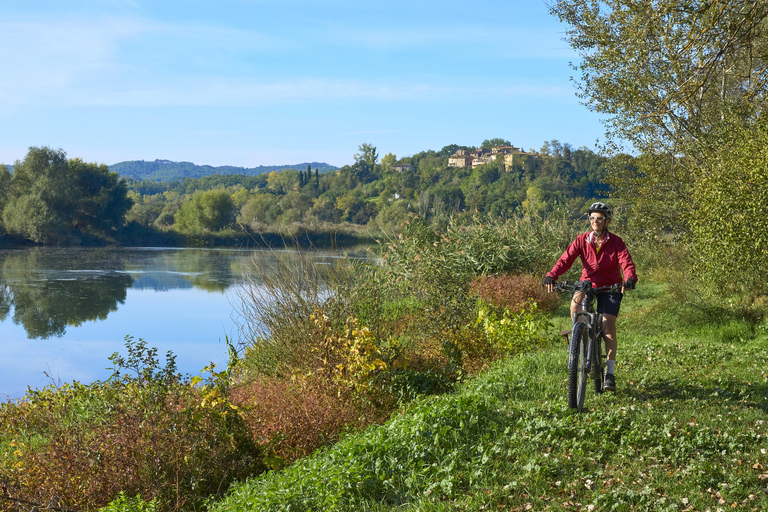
577 361
597 365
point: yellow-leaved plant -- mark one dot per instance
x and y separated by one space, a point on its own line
514 331
350 357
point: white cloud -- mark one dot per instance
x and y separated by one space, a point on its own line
87 61
42 58
253 92
131 61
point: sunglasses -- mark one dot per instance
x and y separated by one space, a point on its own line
597 219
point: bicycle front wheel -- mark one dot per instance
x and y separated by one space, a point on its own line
577 362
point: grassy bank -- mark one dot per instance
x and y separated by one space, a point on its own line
686 431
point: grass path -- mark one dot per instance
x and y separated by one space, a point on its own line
687 430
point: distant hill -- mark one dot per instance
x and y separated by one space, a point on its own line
166 170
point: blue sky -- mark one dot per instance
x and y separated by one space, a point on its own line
272 82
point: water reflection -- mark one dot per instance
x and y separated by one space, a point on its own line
46 308
48 290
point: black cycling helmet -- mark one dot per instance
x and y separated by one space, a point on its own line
601 208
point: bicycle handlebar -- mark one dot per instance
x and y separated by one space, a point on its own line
579 286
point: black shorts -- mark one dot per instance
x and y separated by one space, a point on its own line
609 303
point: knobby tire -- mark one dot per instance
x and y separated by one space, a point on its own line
577 378
597 365
581 391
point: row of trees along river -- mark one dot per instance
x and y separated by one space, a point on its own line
49 199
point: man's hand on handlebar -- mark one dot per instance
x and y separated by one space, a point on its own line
548 283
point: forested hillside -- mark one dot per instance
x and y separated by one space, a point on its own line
165 170
372 196
378 194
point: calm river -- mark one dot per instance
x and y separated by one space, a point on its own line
63 312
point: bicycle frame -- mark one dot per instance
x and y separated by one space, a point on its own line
594 323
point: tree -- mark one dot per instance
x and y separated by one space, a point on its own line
146 209
5 188
391 218
730 225
349 205
324 210
450 149
552 148
240 197
494 143
206 212
388 161
365 166
54 200
283 181
98 198
672 78
367 154
29 216
664 71
294 206
260 208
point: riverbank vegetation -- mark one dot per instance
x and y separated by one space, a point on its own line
427 378
685 431
333 348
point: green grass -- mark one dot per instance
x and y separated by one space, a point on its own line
686 430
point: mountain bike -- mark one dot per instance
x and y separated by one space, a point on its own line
586 358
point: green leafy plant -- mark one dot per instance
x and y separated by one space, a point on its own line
513 332
124 503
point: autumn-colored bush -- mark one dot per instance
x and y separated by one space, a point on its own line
292 418
149 433
514 292
332 390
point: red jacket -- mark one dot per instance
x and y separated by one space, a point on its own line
601 268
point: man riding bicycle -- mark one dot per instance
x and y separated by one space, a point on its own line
604 257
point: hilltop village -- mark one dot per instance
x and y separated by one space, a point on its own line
480 156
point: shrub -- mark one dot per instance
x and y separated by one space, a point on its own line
425 259
514 331
514 292
205 212
149 433
293 418
438 267
276 305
